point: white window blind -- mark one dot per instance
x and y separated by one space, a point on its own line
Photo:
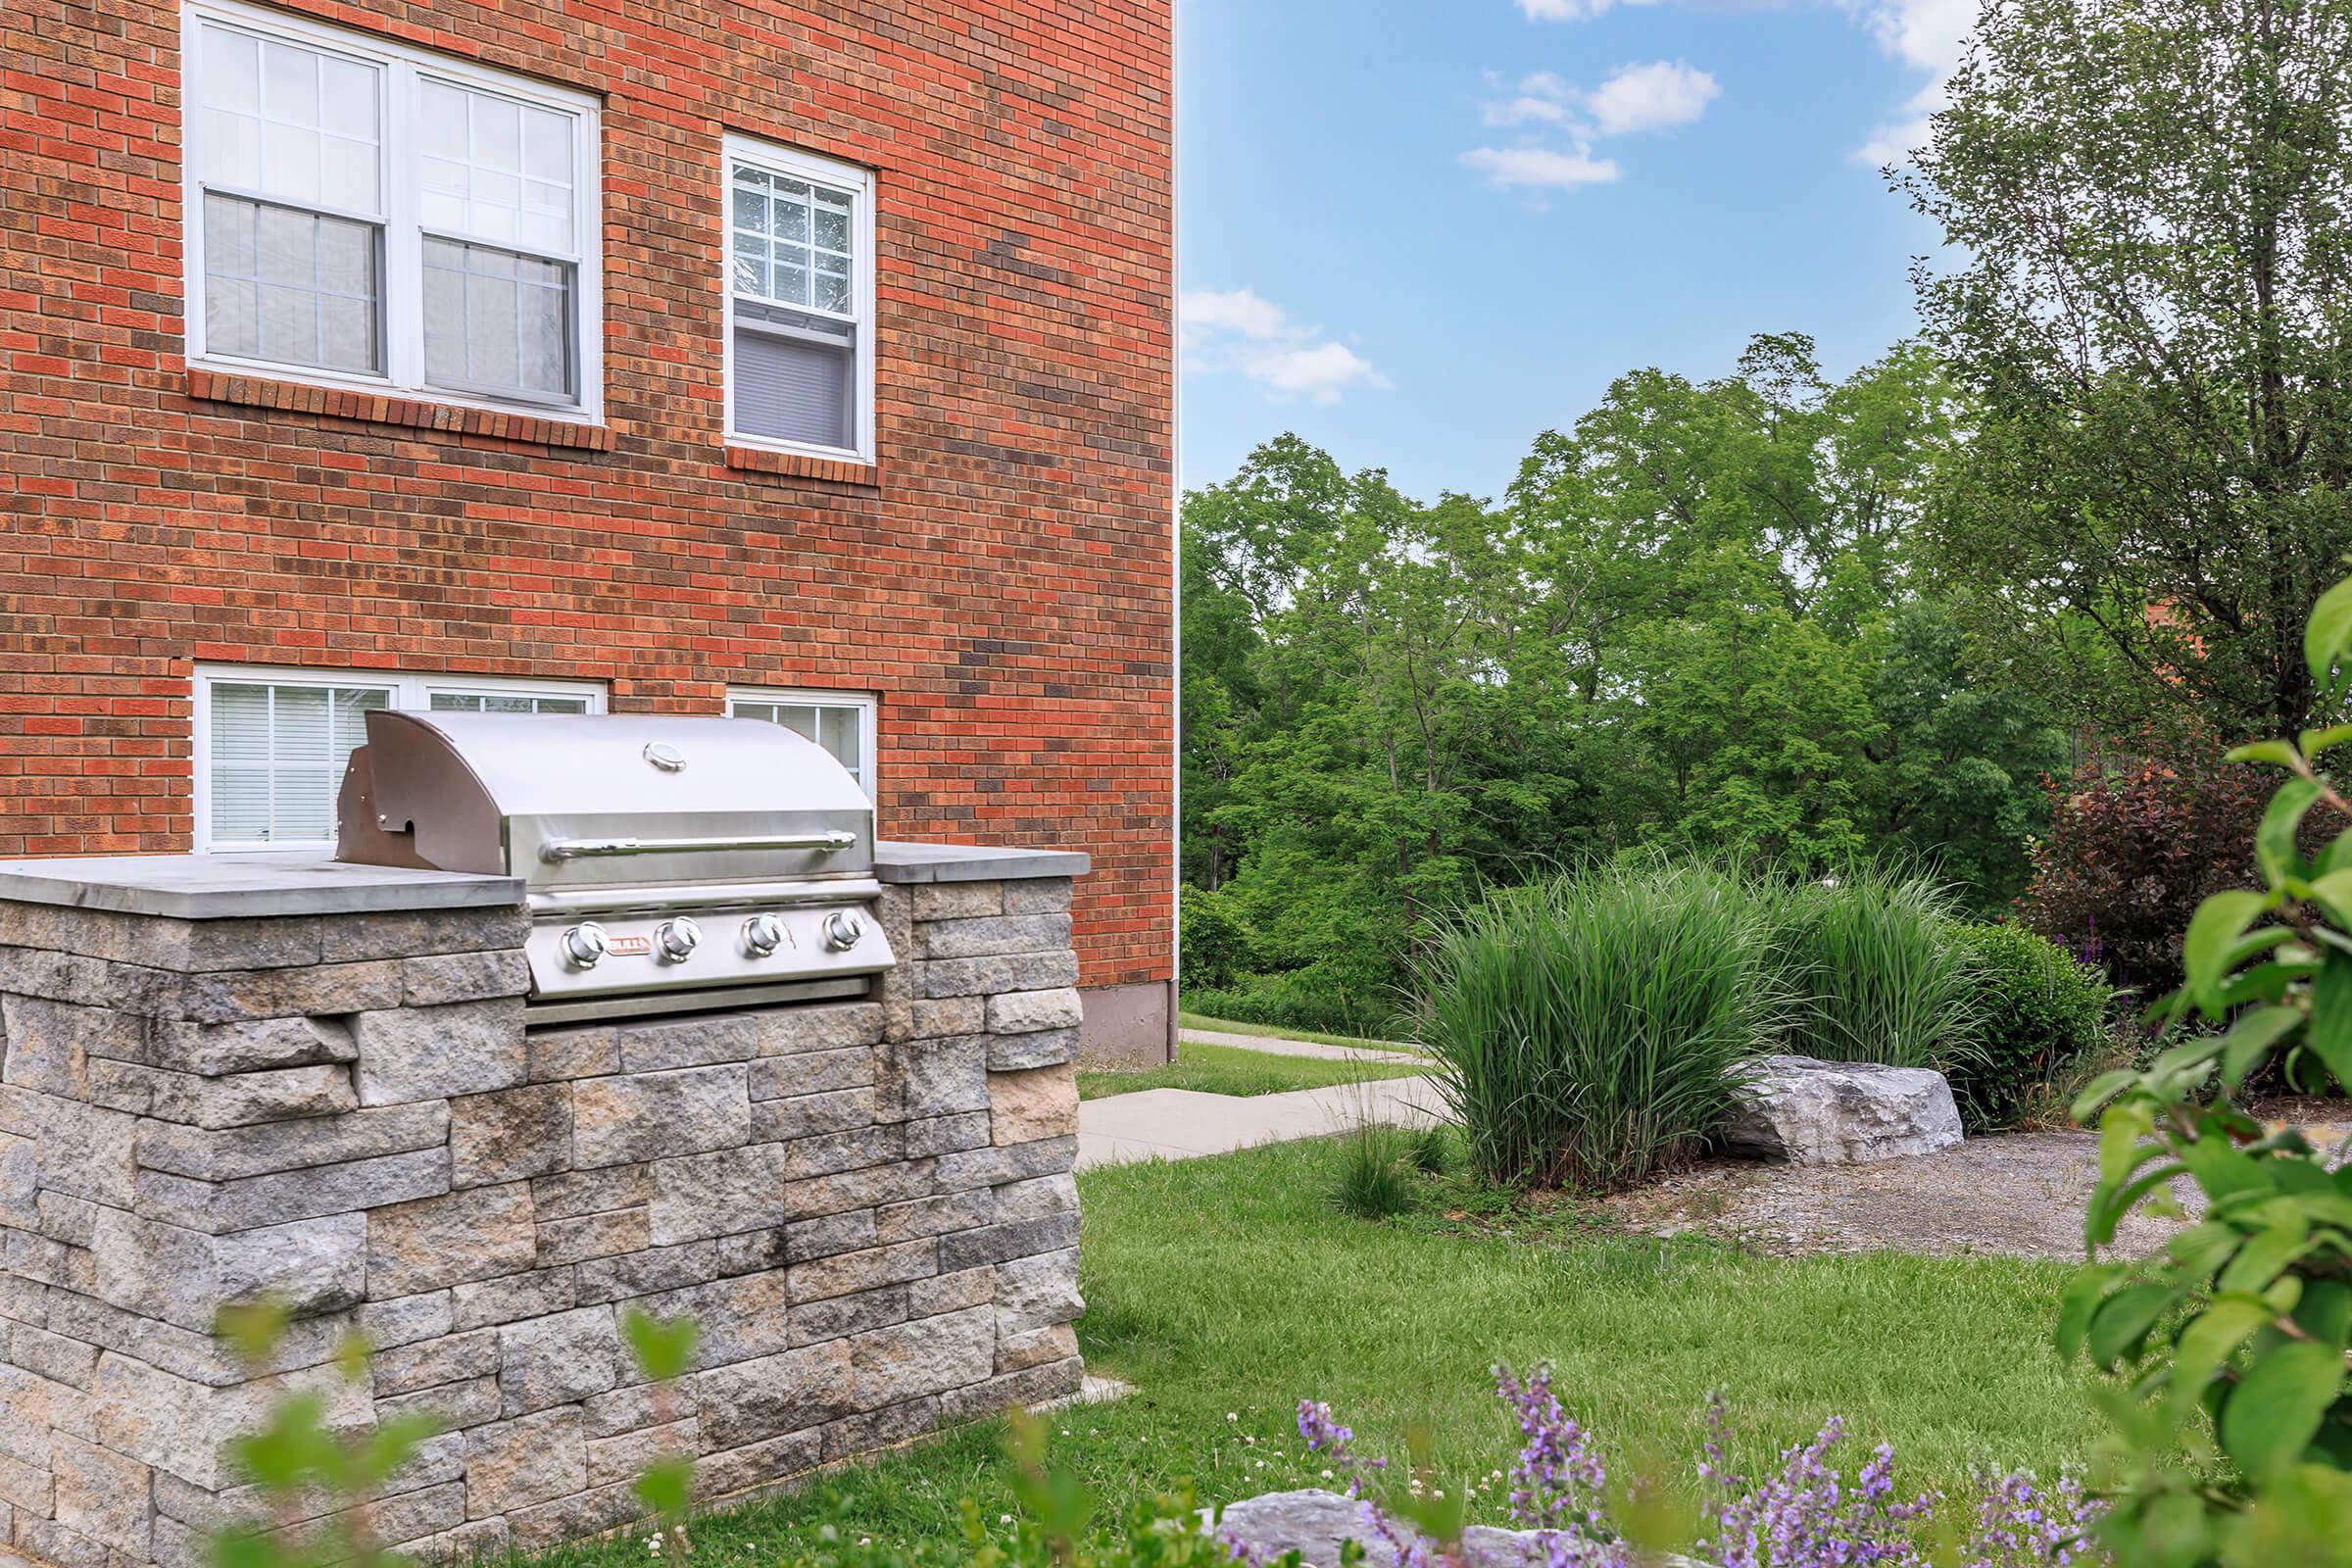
277 756
800 300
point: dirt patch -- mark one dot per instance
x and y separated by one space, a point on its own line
2021 1195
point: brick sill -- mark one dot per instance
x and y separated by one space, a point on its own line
796 465
376 408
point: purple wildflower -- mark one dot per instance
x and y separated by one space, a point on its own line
1809 1517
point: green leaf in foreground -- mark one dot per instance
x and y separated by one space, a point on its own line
2277 1407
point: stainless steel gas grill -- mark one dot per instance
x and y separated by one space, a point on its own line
671 863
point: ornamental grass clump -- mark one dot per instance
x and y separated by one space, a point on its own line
1593 1030
1878 969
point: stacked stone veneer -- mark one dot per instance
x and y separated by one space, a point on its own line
866 1206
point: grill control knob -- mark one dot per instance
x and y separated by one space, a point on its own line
676 939
763 934
586 945
843 928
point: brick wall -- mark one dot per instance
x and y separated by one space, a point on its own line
1001 576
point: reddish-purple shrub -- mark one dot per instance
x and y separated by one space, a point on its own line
2131 850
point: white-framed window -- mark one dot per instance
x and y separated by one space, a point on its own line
272 744
842 723
367 215
800 292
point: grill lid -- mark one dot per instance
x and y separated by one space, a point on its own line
580 800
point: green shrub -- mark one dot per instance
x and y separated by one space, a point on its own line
1212 942
1322 996
2041 1011
1877 969
1592 1029
1377 1168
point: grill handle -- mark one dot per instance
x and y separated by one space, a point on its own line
559 849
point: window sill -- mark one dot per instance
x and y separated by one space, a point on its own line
378 408
799 465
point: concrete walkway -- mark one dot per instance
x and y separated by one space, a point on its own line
1274 1046
1185 1123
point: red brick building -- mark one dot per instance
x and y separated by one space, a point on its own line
813 362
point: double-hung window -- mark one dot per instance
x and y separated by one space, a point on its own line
842 723
372 215
800 302
272 744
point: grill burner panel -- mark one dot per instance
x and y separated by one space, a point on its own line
670 863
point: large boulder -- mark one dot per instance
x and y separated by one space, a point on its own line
1811 1112
1316 1523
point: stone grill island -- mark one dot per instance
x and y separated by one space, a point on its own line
226 1076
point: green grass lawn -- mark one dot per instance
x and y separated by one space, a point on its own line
1201 1020
1228 1287
1233 1070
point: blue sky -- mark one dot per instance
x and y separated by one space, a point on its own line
1418 232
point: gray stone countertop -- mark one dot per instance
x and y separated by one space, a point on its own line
282 882
269 882
902 860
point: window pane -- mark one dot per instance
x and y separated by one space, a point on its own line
456 703
798 718
496 321
838 734
291 286
290 85
832 286
833 228
232 70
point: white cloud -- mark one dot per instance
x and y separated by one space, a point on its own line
1237 331
1562 121
1541 168
1650 97
1540 98
1928 35
1204 312
1571 10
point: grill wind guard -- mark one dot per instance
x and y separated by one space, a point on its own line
670 863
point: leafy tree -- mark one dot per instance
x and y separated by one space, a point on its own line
1963 752
2154 317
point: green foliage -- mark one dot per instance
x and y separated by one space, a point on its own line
2234 1422
1690 622
1591 1028
1213 942
2151 208
664 1350
2041 1011
1377 1170
1873 965
303 1465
